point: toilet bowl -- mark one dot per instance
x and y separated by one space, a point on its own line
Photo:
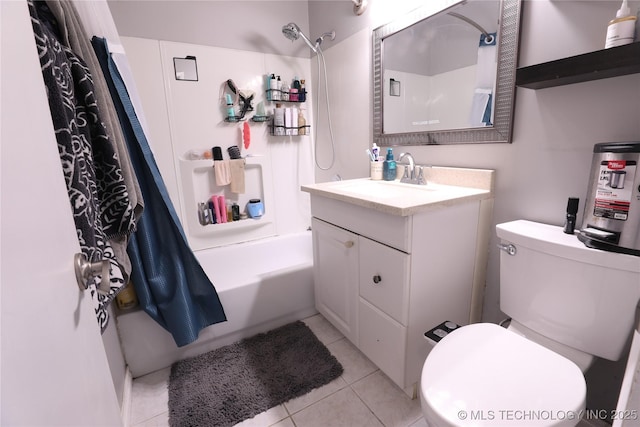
483 374
563 299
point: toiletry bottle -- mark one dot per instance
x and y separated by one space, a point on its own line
235 212
231 114
229 212
272 86
285 91
302 123
572 210
278 120
621 29
389 166
302 93
279 88
295 90
294 121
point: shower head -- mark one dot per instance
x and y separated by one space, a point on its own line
293 32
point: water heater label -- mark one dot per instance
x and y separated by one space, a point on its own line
613 194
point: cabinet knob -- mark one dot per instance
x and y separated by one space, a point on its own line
377 279
349 243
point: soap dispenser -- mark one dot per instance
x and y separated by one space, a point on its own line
621 29
389 166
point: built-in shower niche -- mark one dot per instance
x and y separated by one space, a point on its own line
199 184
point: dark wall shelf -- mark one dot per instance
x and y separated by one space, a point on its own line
602 64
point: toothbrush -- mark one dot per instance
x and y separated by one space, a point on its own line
370 154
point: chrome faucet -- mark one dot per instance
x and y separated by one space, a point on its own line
410 176
411 166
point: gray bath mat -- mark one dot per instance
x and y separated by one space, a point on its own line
241 380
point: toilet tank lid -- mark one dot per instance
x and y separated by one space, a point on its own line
551 240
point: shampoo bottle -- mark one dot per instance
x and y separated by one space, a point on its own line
273 85
389 166
621 29
302 123
302 92
278 120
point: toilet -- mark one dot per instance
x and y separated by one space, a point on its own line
568 304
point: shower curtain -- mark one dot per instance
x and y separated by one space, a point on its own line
481 114
171 285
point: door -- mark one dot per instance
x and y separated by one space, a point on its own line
54 369
335 269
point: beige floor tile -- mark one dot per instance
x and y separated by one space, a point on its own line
161 420
420 423
299 403
287 422
387 401
266 418
324 330
342 408
151 396
356 365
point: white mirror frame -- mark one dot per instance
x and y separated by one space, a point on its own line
501 131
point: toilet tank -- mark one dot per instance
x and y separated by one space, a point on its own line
581 297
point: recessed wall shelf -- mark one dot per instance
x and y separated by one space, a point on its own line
601 64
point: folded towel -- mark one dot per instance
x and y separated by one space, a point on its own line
237 175
223 176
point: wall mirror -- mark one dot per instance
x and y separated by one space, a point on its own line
186 68
446 74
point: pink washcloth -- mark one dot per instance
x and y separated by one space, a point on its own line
236 167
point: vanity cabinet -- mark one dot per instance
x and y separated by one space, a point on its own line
384 279
335 260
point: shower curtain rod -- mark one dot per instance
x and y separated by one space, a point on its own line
469 21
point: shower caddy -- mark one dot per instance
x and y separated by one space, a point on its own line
285 97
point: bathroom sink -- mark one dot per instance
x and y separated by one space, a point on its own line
445 186
381 189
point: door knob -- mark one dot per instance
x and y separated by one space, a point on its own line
86 270
377 279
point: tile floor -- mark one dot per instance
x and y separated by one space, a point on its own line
362 396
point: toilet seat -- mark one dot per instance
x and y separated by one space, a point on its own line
483 374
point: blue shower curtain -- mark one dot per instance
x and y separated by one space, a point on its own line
171 285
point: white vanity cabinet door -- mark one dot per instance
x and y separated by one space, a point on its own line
384 278
335 257
383 340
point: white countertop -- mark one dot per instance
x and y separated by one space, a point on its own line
445 187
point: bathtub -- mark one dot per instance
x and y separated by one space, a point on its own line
262 285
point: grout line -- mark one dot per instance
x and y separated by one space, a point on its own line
127 396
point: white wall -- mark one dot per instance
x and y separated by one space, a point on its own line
554 129
244 25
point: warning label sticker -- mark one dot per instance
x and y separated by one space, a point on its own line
613 193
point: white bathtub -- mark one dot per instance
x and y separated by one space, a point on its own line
262 285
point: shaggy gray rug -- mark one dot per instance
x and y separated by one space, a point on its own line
241 380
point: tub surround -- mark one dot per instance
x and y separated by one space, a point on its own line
393 260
